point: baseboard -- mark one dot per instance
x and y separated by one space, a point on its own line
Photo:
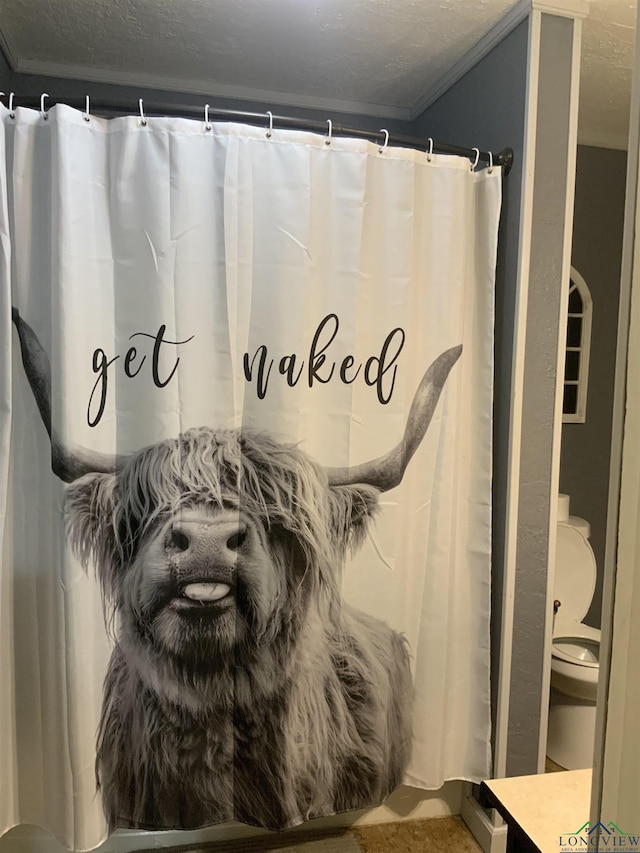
490 834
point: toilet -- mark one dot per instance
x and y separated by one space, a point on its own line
576 647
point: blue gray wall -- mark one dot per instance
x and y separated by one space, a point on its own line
596 255
58 88
486 109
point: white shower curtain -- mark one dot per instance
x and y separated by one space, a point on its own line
171 272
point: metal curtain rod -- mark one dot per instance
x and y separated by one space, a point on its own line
502 158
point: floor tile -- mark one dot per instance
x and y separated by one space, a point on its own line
440 835
371 839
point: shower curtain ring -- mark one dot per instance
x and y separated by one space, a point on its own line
143 120
11 112
328 139
430 150
270 131
475 162
490 162
386 141
42 110
207 126
87 116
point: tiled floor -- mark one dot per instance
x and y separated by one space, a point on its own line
440 835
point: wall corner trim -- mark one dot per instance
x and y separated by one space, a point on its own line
563 8
496 34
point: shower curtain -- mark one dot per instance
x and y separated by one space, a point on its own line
245 472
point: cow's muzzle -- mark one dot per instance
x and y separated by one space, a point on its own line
203 551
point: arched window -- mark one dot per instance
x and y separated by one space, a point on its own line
576 366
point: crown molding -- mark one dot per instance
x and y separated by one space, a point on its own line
612 141
208 88
563 8
515 16
496 34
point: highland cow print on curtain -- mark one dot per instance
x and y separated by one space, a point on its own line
245 473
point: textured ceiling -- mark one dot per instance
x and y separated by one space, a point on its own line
605 76
371 56
369 52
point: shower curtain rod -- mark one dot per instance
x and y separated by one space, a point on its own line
502 158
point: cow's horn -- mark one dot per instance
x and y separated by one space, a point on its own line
387 471
68 463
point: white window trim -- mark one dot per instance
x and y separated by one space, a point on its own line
585 349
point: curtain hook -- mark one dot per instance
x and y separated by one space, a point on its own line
430 150
386 141
42 111
207 125
490 162
270 131
476 161
143 120
328 139
87 116
11 112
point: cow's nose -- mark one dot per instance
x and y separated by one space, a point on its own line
201 545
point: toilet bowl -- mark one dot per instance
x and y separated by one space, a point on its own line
575 661
576 647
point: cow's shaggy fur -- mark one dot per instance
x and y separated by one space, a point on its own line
288 704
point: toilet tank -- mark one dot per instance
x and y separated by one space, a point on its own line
564 517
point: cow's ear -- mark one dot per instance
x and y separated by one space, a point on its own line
90 517
352 508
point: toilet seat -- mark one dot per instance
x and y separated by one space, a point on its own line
576 643
575 574
575 662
